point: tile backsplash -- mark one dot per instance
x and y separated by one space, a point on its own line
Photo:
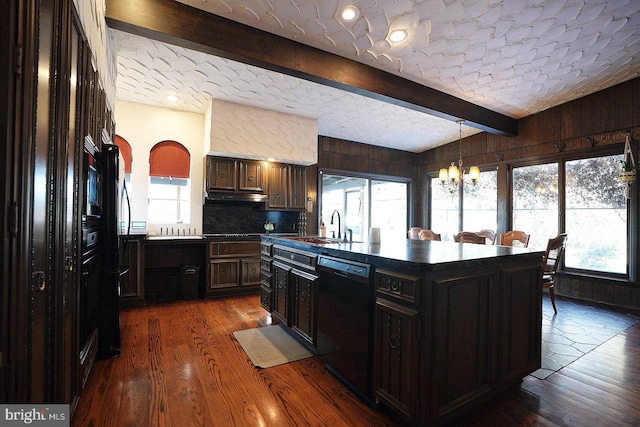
245 218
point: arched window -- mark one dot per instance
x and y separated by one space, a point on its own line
169 183
127 158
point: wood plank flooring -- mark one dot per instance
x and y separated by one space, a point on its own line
181 366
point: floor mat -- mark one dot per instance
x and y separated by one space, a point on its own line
270 346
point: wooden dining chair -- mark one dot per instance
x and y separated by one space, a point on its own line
552 259
429 235
520 238
469 237
489 236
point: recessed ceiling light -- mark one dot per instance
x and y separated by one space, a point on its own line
396 36
172 97
350 13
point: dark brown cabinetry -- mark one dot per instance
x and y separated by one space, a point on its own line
397 342
227 174
233 267
297 187
287 186
266 277
132 284
221 173
295 284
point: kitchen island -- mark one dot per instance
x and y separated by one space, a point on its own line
449 325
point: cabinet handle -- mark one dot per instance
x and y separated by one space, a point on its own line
250 177
303 296
395 286
394 341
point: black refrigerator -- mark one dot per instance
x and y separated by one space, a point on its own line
114 267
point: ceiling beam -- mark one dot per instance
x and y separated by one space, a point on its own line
175 23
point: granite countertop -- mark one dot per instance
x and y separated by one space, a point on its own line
413 251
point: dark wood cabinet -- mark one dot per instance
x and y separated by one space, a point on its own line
251 176
266 276
297 197
228 174
222 274
303 314
397 341
132 283
233 267
295 285
277 186
396 351
221 174
280 309
287 187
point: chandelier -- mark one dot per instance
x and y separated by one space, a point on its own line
454 176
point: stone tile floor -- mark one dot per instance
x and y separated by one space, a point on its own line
577 329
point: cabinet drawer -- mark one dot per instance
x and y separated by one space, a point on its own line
265 248
223 249
265 263
300 258
400 286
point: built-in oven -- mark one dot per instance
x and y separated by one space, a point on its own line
345 322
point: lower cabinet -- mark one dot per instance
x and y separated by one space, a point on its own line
396 357
303 316
132 284
280 309
397 342
233 267
295 285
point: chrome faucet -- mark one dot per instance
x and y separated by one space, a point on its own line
335 211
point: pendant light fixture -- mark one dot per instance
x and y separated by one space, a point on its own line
454 176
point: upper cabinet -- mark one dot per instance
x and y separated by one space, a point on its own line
287 187
251 176
221 173
227 174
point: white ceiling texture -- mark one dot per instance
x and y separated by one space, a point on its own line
515 57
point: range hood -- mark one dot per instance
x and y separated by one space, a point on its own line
213 197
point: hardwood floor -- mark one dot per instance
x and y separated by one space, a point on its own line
181 366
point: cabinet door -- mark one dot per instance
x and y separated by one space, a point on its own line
223 273
396 353
250 272
280 286
251 176
277 192
297 196
132 284
221 173
303 318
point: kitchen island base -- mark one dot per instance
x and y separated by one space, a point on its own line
454 324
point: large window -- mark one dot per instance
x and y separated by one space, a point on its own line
596 215
480 204
362 203
595 211
535 202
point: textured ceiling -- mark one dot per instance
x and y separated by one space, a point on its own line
515 57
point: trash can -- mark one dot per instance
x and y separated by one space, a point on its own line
189 281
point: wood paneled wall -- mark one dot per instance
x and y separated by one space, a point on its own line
603 117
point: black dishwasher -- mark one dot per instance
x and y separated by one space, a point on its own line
345 321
